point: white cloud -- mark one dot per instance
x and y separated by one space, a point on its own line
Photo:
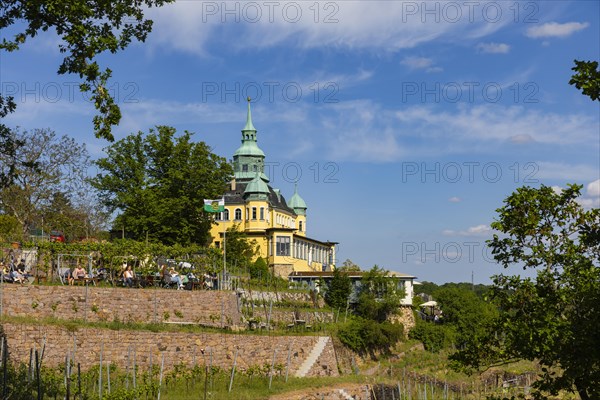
479 230
417 62
497 123
591 198
593 188
454 199
571 173
555 29
421 63
521 139
493 48
373 26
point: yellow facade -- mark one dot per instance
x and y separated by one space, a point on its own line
278 226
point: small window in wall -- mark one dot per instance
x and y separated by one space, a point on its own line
217 216
245 168
300 226
253 212
238 214
255 168
218 245
226 215
283 246
262 213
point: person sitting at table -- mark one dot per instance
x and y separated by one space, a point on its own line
17 276
128 276
78 274
176 278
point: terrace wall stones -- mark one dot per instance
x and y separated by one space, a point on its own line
93 304
121 347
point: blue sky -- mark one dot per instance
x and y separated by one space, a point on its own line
404 124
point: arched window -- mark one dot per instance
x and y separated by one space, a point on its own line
238 214
226 215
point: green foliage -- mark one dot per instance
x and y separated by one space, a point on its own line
370 331
587 78
434 337
240 250
10 229
553 318
86 29
49 188
368 336
379 296
349 266
430 288
338 291
258 269
157 182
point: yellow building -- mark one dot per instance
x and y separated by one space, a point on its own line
278 226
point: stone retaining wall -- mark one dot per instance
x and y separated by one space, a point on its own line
177 348
90 303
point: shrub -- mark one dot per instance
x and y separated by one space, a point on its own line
368 336
434 337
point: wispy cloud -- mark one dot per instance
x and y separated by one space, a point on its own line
493 48
454 199
475 231
570 173
421 63
555 29
372 26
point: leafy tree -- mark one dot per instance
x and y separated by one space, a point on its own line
339 289
258 269
365 335
435 337
379 296
239 249
86 29
157 183
349 266
552 319
51 168
587 78
10 229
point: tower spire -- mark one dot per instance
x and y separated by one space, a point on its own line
249 126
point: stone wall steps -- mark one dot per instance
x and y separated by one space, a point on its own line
314 354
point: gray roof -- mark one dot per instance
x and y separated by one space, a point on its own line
236 197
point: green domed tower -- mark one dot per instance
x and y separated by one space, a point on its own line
249 159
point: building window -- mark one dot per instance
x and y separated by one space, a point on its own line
253 212
255 168
226 215
238 214
262 213
300 226
245 168
283 246
217 216
218 245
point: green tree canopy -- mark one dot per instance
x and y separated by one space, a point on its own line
157 183
552 318
339 289
86 29
49 184
239 249
587 78
379 295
